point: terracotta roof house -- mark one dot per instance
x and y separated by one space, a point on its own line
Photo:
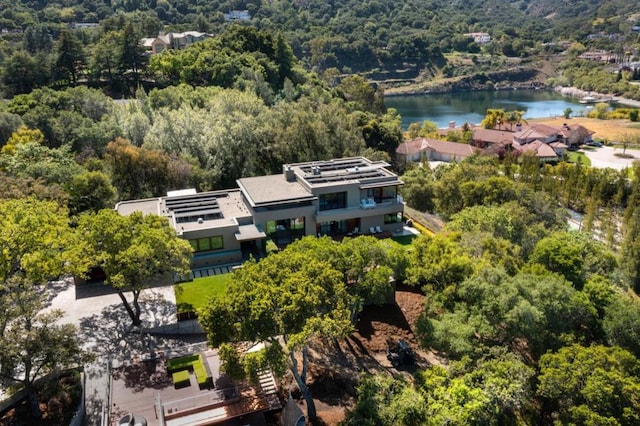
541 150
575 134
335 197
155 45
424 149
537 132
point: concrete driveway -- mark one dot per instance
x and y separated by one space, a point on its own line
604 157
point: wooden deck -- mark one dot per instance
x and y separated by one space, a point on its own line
142 387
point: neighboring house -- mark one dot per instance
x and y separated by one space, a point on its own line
575 134
480 38
597 55
537 132
544 152
424 149
336 197
155 45
237 15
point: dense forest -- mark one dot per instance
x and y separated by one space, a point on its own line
382 39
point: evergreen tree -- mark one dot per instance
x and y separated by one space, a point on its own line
69 58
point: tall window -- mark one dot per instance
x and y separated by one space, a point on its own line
393 218
381 195
207 244
336 200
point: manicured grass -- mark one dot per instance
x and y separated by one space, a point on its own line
192 295
572 157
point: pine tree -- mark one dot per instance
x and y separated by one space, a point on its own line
69 57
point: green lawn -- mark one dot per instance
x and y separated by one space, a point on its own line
192 295
572 157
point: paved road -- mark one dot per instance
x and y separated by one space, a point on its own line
604 157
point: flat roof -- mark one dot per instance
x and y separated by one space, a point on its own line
343 170
270 189
215 208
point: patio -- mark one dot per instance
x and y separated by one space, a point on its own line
146 388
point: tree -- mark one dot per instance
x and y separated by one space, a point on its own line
90 190
135 251
490 391
437 263
289 294
567 112
630 247
493 118
591 385
37 241
69 57
384 400
33 342
622 322
418 188
574 255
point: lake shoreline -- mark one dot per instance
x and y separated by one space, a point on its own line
566 91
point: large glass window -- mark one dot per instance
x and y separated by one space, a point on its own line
207 244
336 200
393 218
380 195
284 231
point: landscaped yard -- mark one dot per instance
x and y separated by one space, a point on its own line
573 156
192 295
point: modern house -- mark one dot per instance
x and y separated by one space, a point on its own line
337 197
425 149
155 45
480 38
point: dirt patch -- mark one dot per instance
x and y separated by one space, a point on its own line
335 367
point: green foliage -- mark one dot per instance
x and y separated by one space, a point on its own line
34 343
37 241
493 309
438 263
574 255
622 322
597 384
418 188
134 251
383 400
487 392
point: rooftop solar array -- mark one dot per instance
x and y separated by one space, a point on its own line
341 170
193 207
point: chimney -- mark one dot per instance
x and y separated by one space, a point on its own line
289 175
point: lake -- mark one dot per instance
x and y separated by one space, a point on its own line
471 107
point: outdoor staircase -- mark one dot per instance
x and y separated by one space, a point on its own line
269 389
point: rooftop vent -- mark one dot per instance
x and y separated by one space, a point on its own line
200 220
316 170
289 175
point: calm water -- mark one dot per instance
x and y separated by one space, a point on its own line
470 107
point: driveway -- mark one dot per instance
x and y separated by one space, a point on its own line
604 157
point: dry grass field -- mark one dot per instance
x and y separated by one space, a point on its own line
611 130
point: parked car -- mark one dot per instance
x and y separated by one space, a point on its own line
572 148
132 420
594 143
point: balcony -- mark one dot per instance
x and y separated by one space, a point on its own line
366 208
